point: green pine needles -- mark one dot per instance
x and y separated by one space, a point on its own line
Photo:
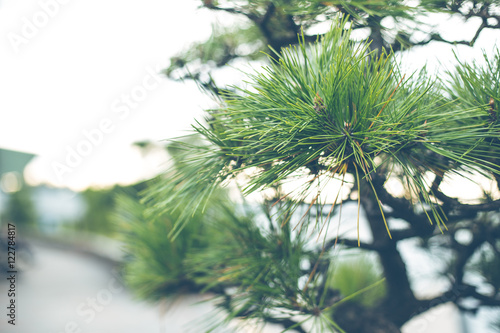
325 110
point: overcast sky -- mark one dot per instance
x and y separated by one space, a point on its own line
92 66
79 83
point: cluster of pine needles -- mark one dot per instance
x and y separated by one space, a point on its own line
331 108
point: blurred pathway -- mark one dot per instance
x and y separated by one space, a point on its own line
70 292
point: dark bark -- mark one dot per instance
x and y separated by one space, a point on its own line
400 303
355 318
376 39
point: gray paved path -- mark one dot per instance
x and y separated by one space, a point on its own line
68 292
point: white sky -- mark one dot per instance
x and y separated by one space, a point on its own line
73 74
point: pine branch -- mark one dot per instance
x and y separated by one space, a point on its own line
461 208
457 293
352 243
211 5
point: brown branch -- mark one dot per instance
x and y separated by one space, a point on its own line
455 204
483 25
438 38
452 295
484 299
400 302
457 293
493 205
210 5
464 252
403 209
351 243
271 9
482 12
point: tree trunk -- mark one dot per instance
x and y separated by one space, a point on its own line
400 303
376 39
354 318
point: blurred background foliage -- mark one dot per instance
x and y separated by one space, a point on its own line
20 208
151 256
100 208
354 272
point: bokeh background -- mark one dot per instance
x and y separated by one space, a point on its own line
84 112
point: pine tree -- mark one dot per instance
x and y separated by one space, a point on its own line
325 108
